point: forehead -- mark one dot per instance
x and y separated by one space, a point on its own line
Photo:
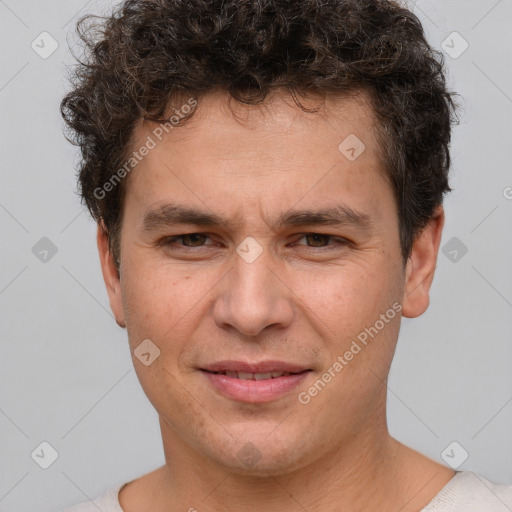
218 117
241 150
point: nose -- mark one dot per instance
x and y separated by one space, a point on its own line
252 297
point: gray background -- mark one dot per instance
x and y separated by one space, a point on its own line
66 376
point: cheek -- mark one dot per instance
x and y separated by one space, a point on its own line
348 295
156 298
347 301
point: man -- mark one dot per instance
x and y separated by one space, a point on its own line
267 178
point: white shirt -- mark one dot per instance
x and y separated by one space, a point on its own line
465 492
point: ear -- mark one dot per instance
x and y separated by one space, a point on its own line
421 265
110 275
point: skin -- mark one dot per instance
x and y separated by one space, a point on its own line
303 300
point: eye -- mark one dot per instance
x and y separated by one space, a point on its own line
196 240
319 240
188 239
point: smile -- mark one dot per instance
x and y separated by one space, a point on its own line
256 387
253 376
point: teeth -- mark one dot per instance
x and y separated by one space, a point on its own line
246 376
262 376
254 376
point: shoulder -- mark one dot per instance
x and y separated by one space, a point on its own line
470 492
106 502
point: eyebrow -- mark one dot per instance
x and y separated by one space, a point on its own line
172 215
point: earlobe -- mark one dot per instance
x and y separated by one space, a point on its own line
110 274
421 265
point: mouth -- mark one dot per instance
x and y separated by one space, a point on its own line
256 376
257 368
254 383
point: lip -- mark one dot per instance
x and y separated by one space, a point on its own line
254 391
261 367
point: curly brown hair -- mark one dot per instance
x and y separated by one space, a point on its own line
149 53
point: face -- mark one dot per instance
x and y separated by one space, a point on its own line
289 262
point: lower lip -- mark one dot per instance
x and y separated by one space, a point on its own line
254 391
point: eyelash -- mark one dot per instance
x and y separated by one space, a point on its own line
169 241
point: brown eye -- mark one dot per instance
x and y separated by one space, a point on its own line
195 239
321 241
317 239
186 240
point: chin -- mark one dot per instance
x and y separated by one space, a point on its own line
255 454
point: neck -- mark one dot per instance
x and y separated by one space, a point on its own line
371 472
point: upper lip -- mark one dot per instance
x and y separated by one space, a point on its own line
261 367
